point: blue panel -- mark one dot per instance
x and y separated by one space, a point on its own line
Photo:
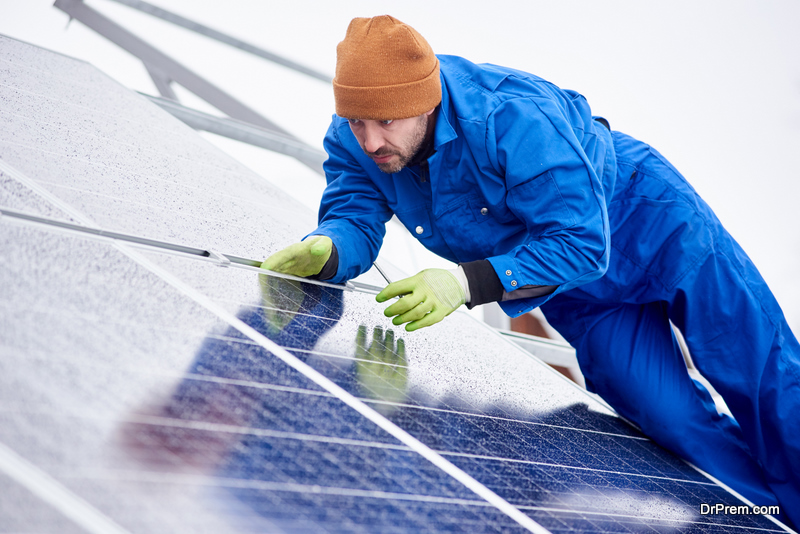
239 420
570 465
134 389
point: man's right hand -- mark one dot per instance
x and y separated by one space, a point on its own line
306 258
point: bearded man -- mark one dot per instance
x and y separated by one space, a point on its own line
541 204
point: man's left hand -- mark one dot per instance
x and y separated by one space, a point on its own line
428 297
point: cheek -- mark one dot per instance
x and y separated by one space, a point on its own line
403 140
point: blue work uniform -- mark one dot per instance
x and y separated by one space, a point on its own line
525 177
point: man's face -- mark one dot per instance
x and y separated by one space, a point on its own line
391 144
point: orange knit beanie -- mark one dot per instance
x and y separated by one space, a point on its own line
385 70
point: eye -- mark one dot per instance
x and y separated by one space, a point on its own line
387 122
353 121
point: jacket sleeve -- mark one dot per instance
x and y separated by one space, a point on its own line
553 188
353 211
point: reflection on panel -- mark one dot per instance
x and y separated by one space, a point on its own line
532 438
135 398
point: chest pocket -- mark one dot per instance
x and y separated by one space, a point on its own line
476 230
482 212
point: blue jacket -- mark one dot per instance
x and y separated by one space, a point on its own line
522 176
525 177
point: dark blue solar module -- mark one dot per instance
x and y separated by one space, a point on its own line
149 392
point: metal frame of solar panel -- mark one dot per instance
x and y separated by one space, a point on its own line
148 390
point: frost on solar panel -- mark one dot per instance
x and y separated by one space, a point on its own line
149 392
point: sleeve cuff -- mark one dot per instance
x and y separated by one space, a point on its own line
330 268
484 285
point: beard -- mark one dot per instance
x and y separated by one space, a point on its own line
407 152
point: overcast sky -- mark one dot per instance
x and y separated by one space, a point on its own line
713 85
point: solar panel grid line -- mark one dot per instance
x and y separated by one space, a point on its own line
25 119
235 483
343 395
500 418
253 384
168 182
129 176
311 352
202 207
110 196
14 194
51 63
490 331
45 194
575 467
47 69
90 113
56 494
298 390
86 151
228 428
458 412
233 429
176 183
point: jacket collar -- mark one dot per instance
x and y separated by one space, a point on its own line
444 132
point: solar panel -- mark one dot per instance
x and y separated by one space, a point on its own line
143 390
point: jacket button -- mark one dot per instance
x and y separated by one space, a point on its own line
484 211
508 273
513 283
419 229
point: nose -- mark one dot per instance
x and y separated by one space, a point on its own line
373 136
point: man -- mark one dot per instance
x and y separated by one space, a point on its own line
540 204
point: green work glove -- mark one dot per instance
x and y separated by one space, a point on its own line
381 368
306 258
428 297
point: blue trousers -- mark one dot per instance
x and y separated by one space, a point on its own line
671 260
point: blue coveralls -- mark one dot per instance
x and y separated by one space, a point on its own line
525 177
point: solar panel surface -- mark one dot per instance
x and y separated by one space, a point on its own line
150 392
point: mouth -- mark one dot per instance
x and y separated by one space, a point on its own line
382 159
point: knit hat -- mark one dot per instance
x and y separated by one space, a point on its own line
385 70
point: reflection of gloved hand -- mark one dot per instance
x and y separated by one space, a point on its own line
429 297
381 367
281 299
306 258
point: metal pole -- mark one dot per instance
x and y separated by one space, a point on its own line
244 132
178 20
154 58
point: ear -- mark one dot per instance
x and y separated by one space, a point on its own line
429 112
